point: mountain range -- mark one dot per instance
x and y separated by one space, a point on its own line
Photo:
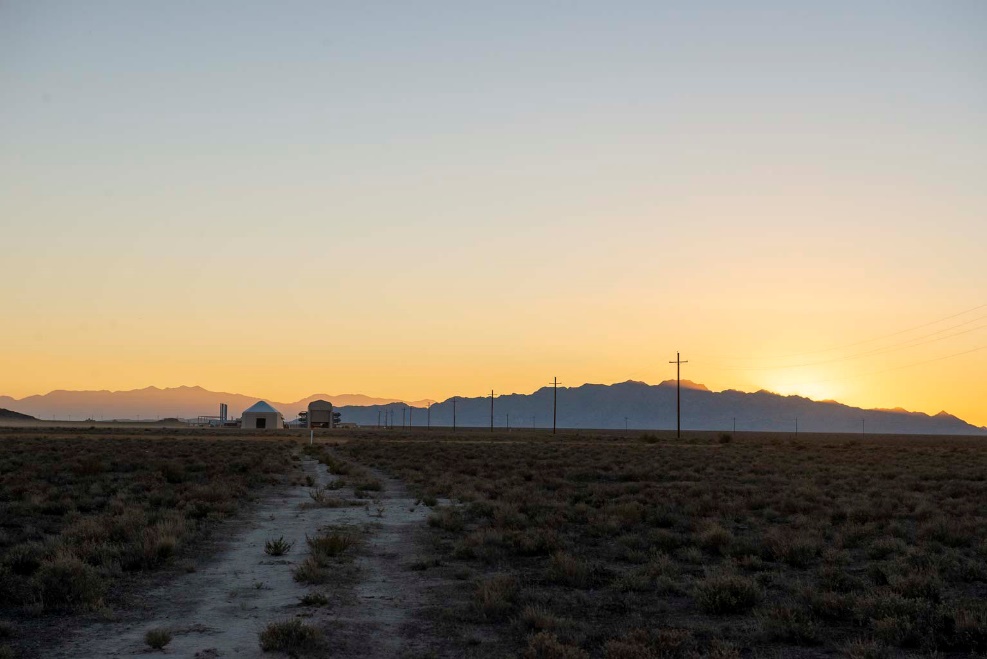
652 407
637 404
155 403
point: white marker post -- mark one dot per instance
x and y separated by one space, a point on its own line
311 437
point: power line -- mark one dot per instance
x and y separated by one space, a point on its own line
910 343
883 336
928 361
895 368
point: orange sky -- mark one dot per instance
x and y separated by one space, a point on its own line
496 197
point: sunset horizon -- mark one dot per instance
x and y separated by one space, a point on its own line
324 391
799 210
531 329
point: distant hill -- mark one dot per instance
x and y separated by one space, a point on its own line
646 407
10 415
155 403
652 407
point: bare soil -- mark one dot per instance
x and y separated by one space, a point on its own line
376 602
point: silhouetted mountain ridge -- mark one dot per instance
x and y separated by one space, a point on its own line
155 403
652 407
641 405
10 415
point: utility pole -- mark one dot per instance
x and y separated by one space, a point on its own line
796 426
863 426
453 412
508 421
428 417
404 412
532 421
555 401
491 410
735 424
378 419
678 394
411 417
625 424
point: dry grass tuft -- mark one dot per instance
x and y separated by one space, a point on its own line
292 637
157 638
494 598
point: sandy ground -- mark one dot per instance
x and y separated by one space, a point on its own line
219 610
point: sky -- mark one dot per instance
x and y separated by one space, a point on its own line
425 199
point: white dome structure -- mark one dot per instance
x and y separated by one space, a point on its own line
261 416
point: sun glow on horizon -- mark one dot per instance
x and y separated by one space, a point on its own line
805 387
422 213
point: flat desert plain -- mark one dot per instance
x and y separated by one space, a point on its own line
431 543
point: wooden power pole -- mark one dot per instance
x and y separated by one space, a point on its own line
678 394
491 410
555 401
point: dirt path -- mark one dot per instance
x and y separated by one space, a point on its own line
219 610
386 617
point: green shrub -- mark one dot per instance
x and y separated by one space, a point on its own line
494 598
291 636
726 593
314 599
310 571
157 638
25 559
368 483
714 538
331 544
278 547
447 519
537 618
546 645
791 623
866 649
568 570
634 645
970 627
65 582
792 547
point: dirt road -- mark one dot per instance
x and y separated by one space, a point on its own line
219 610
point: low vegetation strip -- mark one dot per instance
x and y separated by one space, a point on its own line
325 550
365 485
80 514
647 547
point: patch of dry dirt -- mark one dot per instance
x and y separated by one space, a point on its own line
219 610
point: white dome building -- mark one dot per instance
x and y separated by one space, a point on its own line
261 416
